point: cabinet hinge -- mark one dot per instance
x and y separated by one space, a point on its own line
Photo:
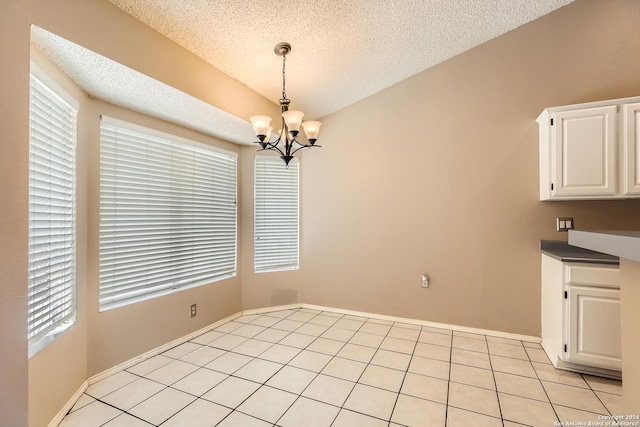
565 295
565 348
551 122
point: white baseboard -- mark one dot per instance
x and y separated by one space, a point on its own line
589 370
67 407
269 309
498 334
582 369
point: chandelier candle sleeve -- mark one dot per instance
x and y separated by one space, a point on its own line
286 143
293 119
311 129
260 125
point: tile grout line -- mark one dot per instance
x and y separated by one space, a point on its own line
362 373
495 383
126 411
543 387
596 394
405 375
317 373
446 408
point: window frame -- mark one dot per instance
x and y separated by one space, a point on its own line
279 172
40 339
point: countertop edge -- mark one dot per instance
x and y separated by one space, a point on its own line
616 243
563 252
580 260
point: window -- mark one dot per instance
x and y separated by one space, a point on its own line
167 214
52 212
276 214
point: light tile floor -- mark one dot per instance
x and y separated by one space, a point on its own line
305 368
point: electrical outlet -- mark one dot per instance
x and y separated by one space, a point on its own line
564 224
425 280
193 310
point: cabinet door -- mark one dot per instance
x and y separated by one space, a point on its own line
583 144
594 327
631 148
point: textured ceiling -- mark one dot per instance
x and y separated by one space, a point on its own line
343 50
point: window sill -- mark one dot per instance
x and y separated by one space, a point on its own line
36 346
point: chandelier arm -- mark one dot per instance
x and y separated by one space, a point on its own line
273 147
302 146
270 146
274 143
265 149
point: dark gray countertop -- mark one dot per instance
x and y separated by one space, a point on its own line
562 251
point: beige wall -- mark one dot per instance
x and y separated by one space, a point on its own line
439 174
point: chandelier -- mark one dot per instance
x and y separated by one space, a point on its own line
286 143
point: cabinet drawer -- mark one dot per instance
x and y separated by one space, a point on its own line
586 274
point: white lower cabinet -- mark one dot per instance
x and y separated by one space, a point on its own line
594 326
581 316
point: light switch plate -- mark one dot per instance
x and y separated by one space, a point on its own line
564 224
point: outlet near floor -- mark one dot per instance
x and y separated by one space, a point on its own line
425 280
193 310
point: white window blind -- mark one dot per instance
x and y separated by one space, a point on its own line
52 212
167 214
276 220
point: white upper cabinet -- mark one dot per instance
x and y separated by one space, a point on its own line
590 151
584 149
